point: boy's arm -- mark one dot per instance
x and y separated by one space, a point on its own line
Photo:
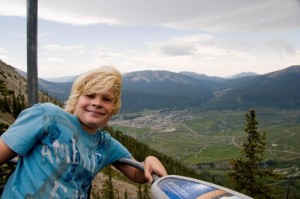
151 165
132 173
6 153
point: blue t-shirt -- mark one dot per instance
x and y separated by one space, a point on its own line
58 159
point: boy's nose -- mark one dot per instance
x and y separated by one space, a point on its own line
97 102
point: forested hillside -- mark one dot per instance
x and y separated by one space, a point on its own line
13 95
278 89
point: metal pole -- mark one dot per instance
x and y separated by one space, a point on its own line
32 77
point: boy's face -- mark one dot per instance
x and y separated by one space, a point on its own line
95 110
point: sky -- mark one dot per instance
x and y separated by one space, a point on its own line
215 37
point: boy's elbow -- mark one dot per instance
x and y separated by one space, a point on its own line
139 177
6 153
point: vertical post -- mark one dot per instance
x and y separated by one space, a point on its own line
32 74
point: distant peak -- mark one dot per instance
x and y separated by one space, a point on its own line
242 74
285 71
157 75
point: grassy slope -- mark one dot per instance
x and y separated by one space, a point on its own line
216 135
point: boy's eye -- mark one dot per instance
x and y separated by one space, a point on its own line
108 99
90 96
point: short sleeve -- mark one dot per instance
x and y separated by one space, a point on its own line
26 130
117 151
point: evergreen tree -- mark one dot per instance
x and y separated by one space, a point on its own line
108 189
3 89
145 192
247 176
118 194
3 128
22 102
139 192
125 194
4 105
15 106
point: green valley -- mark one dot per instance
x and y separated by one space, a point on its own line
195 136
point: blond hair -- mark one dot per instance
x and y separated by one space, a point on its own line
99 80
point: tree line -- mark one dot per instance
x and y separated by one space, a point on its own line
13 102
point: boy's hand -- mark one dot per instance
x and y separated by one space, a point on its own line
153 165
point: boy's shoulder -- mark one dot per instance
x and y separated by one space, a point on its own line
105 134
49 105
50 108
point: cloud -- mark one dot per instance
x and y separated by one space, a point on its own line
3 54
199 47
174 48
181 46
54 60
6 57
60 48
106 53
2 51
282 47
226 15
13 8
211 37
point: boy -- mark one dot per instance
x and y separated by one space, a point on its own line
61 151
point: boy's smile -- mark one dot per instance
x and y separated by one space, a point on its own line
94 110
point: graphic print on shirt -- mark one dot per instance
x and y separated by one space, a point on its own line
74 164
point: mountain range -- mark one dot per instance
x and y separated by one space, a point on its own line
144 90
164 89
